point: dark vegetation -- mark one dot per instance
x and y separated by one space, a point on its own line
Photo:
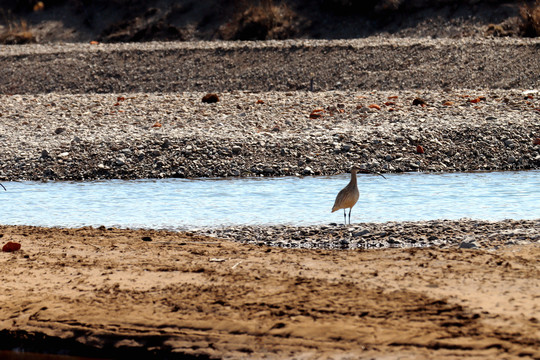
25 21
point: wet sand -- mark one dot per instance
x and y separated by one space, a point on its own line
110 292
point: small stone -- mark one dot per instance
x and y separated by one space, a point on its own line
59 130
11 246
360 233
419 101
468 245
210 98
236 149
509 143
346 147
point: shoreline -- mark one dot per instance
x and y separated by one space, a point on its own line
112 292
464 289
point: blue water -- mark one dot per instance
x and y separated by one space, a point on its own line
191 204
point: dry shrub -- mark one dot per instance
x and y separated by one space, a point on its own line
15 31
263 20
530 19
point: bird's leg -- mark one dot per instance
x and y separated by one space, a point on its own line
345 216
350 216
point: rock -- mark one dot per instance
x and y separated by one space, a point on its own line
307 171
346 147
509 143
419 101
360 233
11 247
468 244
210 98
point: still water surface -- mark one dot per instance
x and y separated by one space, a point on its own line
190 204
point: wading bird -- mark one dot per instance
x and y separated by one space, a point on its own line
349 195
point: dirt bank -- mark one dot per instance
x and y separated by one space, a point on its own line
149 292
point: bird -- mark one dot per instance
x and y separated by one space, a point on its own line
348 196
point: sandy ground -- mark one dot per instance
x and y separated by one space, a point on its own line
176 294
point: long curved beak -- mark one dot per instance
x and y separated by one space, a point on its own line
376 173
366 171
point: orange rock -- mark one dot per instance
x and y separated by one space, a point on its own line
374 106
157 125
536 141
392 97
317 113
11 246
260 101
94 42
39 6
448 103
388 103
419 149
477 100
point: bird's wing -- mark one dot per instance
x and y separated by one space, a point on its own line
339 200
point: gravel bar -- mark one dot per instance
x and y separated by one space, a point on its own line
155 135
444 234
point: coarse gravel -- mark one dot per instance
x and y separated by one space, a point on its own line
149 135
373 63
444 234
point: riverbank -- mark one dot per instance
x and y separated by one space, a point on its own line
140 135
465 289
134 111
110 292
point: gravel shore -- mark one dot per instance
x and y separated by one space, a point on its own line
129 136
443 234
82 112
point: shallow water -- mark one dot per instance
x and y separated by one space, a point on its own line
190 204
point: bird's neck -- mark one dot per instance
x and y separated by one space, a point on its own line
353 177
